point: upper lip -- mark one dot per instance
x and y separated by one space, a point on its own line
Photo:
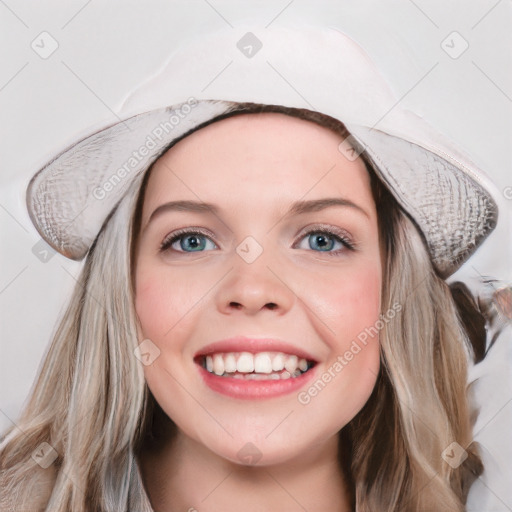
253 345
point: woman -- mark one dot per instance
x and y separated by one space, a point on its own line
162 391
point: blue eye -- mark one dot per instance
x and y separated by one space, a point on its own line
320 240
324 240
189 241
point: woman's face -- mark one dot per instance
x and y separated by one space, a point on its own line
256 290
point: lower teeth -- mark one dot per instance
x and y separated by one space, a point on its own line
263 376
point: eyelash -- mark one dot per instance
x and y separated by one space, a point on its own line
170 239
339 235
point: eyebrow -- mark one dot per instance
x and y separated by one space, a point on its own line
297 208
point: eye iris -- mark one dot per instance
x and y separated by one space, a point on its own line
194 245
322 238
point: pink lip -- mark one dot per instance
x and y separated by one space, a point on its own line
254 389
253 345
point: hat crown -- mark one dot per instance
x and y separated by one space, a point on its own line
318 68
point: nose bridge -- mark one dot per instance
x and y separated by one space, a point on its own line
256 280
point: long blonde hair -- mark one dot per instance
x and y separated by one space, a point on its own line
91 404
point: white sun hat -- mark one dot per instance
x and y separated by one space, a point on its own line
320 69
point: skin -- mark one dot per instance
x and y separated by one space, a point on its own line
253 167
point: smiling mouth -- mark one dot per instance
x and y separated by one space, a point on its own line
258 366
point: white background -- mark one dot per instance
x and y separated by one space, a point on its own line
105 49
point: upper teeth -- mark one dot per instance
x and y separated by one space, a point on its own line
246 362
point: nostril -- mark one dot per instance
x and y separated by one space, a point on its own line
237 305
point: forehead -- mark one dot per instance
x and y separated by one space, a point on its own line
255 158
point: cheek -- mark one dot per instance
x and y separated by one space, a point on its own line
160 302
358 349
352 301
351 309
167 302
151 304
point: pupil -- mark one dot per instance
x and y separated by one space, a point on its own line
321 241
193 242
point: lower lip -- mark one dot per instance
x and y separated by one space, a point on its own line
254 389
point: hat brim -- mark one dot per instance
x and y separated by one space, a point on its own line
69 198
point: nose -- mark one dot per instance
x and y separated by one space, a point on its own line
256 286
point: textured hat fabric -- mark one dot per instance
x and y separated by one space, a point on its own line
319 69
